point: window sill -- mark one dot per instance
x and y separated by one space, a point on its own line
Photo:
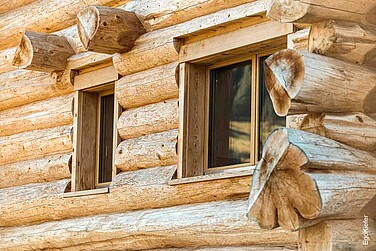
86 192
223 174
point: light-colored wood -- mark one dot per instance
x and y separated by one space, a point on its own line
147 151
224 248
298 40
347 41
337 235
6 58
108 30
95 78
303 178
35 144
42 52
305 85
116 139
8 5
200 225
86 192
87 60
147 87
50 168
313 11
23 87
38 115
149 119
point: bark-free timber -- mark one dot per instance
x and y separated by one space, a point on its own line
42 52
147 87
38 115
152 150
108 30
206 224
8 5
305 85
303 178
46 169
298 40
347 41
35 144
313 11
6 57
149 119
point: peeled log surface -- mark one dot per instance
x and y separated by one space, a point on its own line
147 87
149 119
313 11
338 235
347 41
8 5
152 150
248 248
42 52
300 82
6 58
207 224
35 144
108 30
38 115
298 40
50 168
23 87
303 178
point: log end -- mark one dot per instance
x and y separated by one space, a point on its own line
24 53
87 24
284 74
287 11
281 193
321 37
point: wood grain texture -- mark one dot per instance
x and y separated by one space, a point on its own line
8 5
200 225
298 40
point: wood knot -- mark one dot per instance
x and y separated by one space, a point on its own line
359 118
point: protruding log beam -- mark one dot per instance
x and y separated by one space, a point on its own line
46 169
108 30
35 144
300 82
38 115
298 40
147 151
347 41
147 87
149 119
42 52
313 11
206 224
303 178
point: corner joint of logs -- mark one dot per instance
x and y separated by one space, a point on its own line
108 30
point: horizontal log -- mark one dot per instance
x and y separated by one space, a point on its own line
347 41
306 86
6 58
23 87
38 115
46 169
313 11
152 150
298 40
148 119
243 248
8 5
35 144
200 225
303 178
147 87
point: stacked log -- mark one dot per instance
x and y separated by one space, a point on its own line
9 5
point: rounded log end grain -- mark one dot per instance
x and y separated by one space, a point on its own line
284 74
87 24
282 194
24 53
287 11
321 37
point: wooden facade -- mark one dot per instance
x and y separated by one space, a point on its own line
311 186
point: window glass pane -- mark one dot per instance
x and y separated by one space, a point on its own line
230 115
269 120
106 138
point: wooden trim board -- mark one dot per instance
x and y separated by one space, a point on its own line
95 78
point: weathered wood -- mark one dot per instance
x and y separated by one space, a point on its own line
244 248
46 169
298 40
35 144
6 58
347 41
149 119
313 11
42 52
147 87
8 5
147 151
338 235
303 178
206 224
354 129
108 30
23 87
38 115
306 86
